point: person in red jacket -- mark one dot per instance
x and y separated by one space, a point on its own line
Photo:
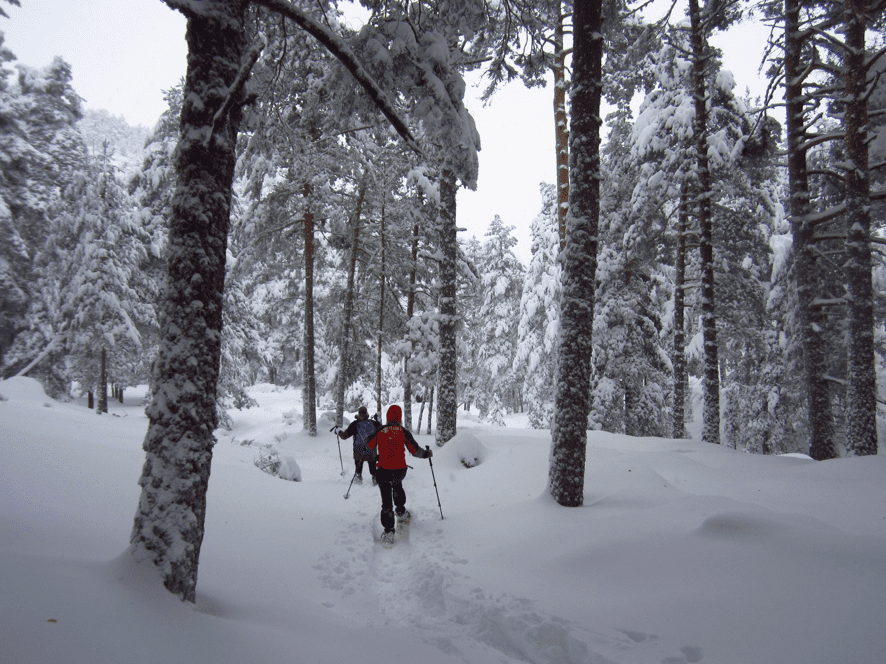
392 441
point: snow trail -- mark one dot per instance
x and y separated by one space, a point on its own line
421 585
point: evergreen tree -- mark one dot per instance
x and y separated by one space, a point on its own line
540 314
40 150
666 137
859 78
426 63
632 372
810 317
102 312
169 522
572 395
168 528
501 282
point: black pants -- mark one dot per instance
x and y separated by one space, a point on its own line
358 463
390 483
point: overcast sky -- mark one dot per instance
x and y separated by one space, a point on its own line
124 53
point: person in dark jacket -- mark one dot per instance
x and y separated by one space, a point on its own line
392 441
362 428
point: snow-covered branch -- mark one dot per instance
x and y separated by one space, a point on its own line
823 138
340 49
235 92
46 351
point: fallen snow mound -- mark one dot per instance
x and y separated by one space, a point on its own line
464 449
327 420
22 388
288 469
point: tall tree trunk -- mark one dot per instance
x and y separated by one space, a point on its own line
410 310
102 405
631 404
710 432
861 393
344 365
447 407
679 356
431 409
561 121
309 389
381 307
572 397
169 522
810 318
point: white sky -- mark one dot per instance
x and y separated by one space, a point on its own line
125 53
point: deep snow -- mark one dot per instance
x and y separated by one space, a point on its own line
683 552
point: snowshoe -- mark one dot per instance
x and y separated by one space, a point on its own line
387 539
358 479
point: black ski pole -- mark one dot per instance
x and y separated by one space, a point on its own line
349 486
335 428
428 448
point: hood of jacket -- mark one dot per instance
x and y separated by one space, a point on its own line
395 414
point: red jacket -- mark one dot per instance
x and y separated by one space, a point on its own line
392 441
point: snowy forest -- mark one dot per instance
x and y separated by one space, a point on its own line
291 219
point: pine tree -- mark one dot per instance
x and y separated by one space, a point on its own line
572 396
102 312
169 522
501 282
632 373
861 390
428 62
810 317
540 314
168 528
40 150
720 204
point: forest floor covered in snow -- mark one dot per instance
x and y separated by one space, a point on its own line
683 551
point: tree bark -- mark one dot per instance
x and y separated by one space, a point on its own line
431 409
169 521
561 122
573 386
344 365
861 393
679 353
410 310
810 318
102 405
711 411
381 307
447 406
309 389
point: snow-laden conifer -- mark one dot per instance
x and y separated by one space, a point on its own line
40 150
540 314
572 391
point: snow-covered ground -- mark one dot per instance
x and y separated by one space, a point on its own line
683 552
